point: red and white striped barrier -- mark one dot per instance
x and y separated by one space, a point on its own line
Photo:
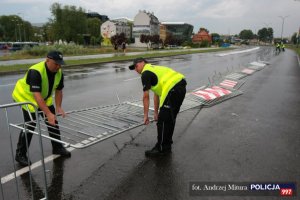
248 71
228 83
211 93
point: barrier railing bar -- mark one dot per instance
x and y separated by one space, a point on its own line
26 141
5 107
12 153
93 114
85 121
96 120
45 136
44 130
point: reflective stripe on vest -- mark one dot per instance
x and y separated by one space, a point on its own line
22 91
166 79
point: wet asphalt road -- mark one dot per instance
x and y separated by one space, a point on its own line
252 137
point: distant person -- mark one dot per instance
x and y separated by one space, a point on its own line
277 47
37 86
124 47
282 46
169 89
116 46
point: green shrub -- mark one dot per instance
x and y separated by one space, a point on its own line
204 43
42 50
67 49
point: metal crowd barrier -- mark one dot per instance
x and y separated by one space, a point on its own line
10 124
85 127
79 129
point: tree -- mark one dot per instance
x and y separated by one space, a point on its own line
9 26
215 38
270 34
118 39
171 40
265 34
69 23
149 39
246 35
155 39
204 43
28 31
48 32
145 39
142 38
295 38
203 29
14 28
93 28
57 21
1 32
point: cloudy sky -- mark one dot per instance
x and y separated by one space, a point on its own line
218 16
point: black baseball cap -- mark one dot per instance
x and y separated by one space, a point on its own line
56 56
135 61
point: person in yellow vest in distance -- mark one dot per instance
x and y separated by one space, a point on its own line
37 86
282 46
169 89
277 47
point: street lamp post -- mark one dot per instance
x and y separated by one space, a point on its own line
24 32
19 32
283 18
15 25
23 25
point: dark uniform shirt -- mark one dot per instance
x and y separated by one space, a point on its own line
148 79
34 79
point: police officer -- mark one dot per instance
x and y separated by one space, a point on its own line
169 89
37 86
282 46
277 47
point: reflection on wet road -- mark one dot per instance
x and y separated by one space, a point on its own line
204 143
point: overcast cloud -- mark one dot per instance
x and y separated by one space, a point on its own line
218 16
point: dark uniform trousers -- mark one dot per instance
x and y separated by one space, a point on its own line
53 132
167 115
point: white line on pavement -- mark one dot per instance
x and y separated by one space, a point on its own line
132 79
7 85
24 170
237 52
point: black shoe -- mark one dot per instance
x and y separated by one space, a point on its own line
157 152
62 151
22 160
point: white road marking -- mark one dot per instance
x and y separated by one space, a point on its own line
7 85
237 52
35 165
132 79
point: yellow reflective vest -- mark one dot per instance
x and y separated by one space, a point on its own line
22 93
166 79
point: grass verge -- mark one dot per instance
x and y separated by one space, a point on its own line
4 69
295 48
